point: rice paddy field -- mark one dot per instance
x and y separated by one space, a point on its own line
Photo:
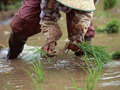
65 72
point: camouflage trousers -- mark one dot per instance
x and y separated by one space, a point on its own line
80 23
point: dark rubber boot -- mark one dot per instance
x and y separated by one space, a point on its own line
88 39
16 45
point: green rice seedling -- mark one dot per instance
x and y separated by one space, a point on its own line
99 57
93 52
116 55
37 51
38 77
93 73
36 54
75 85
91 80
37 69
35 82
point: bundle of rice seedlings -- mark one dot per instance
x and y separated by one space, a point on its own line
94 53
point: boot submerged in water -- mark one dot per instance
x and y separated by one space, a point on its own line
16 45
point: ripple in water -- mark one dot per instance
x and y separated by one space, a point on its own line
111 75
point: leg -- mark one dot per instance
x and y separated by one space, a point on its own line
80 24
16 45
90 33
51 30
69 17
24 24
78 28
52 33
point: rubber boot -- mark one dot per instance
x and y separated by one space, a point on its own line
16 45
88 39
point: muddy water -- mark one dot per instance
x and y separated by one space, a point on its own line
58 71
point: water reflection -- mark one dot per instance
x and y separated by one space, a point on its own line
111 75
5 67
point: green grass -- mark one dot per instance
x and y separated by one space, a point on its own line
116 55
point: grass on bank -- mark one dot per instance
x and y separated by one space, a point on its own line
112 26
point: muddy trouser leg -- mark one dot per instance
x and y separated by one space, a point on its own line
90 32
16 45
80 24
51 32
